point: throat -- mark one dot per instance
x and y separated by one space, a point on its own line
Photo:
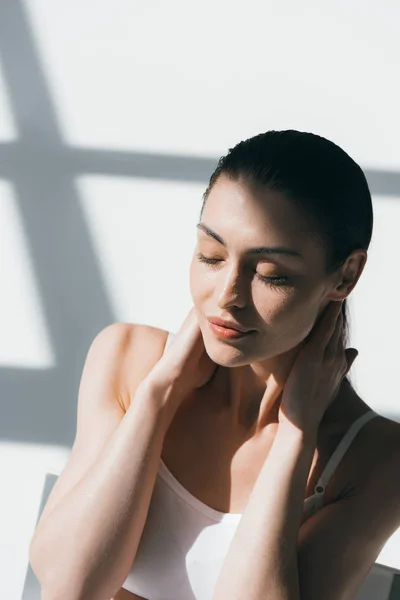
243 402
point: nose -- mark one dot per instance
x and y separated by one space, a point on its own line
232 289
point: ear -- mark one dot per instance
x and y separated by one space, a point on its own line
350 272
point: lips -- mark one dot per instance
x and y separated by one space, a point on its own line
226 333
228 324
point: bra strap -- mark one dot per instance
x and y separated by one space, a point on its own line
342 449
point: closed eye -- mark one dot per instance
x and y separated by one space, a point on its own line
275 281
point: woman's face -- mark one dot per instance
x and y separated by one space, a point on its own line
279 295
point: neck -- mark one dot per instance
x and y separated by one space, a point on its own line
248 402
250 395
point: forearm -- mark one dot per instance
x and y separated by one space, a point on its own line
87 544
262 560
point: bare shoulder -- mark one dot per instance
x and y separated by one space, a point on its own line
358 524
376 459
377 481
387 435
141 348
119 357
382 439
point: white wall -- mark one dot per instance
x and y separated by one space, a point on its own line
112 117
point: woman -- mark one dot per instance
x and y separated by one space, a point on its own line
240 462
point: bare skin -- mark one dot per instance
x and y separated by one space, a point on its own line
219 465
221 434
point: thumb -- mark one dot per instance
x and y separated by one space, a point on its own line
351 355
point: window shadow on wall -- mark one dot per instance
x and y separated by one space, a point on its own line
40 406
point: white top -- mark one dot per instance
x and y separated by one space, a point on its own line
184 541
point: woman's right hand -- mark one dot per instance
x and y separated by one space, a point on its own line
185 364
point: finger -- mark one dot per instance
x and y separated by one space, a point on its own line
351 355
333 345
326 326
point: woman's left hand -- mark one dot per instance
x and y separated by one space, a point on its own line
317 373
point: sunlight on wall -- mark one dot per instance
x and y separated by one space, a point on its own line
144 234
7 125
389 555
375 324
24 339
122 78
179 78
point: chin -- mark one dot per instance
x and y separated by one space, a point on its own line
231 363
226 355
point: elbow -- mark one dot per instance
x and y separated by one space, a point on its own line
52 590
60 580
36 562
60 592
53 585
48 594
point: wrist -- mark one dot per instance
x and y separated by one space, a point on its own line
163 395
303 435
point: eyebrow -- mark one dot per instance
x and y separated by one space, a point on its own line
259 250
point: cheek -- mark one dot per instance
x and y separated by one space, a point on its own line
274 306
288 321
197 282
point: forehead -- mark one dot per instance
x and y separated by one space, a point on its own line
240 212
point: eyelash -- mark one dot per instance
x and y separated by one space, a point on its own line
274 281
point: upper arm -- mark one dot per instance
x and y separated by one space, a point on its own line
119 357
339 544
